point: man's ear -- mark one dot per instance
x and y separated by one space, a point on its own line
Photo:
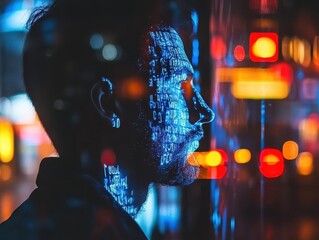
104 102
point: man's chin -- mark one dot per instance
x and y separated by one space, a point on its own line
181 177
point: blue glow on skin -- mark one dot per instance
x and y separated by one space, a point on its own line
169 67
117 185
172 135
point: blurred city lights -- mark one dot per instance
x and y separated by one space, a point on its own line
6 206
284 70
6 141
239 53
260 90
242 155
110 52
14 21
263 47
309 129
218 47
212 164
5 172
213 159
132 88
22 110
290 150
299 50
271 163
309 89
258 83
304 163
108 157
96 41
315 50
264 6
277 72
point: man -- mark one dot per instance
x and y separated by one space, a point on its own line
126 115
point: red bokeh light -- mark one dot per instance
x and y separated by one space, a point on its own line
271 163
239 53
218 47
108 157
267 42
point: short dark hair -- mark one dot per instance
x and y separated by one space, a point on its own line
59 62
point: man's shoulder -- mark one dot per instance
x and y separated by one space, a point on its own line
67 216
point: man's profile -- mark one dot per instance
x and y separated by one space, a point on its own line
118 123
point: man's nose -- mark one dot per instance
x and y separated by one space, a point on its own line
206 114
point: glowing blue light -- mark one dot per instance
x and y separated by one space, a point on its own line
300 74
196 75
230 61
232 224
195 57
216 219
17 13
109 52
224 224
194 17
96 41
14 21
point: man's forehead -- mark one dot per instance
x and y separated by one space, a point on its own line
166 37
171 54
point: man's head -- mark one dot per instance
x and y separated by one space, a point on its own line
140 103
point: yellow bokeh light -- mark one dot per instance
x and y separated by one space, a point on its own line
305 163
255 83
242 156
213 159
260 90
271 159
6 141
264 47
290 150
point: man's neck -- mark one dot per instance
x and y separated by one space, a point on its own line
119 185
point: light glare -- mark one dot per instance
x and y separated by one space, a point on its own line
242 156
290 150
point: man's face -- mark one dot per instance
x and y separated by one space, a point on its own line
177 110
